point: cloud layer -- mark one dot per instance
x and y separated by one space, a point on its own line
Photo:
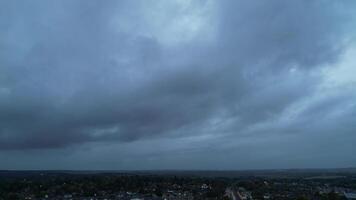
216 76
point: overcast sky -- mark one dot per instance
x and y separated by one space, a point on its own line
179 84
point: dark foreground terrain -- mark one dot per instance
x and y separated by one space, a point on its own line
262 184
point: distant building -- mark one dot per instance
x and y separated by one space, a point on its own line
350 195
205 186
266 196
238 194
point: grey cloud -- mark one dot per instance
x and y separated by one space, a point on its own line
304 33
71 73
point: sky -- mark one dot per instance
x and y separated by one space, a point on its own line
180 84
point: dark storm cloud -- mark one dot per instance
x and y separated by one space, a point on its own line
71 72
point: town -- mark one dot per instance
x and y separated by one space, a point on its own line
51 185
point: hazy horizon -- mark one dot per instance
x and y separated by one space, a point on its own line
192 170
181 84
